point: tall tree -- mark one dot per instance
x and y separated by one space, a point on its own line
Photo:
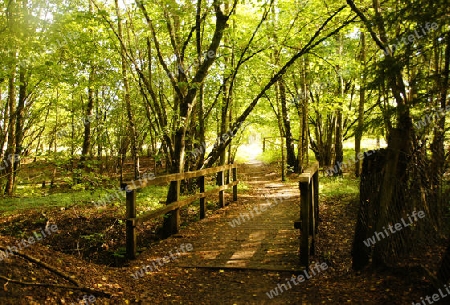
126 87
362 96
13 24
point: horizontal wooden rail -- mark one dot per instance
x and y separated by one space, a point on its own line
141 183
309 172
181 203
172 209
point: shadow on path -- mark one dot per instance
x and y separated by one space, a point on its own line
256 232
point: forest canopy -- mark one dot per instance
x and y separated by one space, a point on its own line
90 84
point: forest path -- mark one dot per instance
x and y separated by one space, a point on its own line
256 232
238 252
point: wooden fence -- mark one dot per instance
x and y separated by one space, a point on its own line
172 209
309 212
271 142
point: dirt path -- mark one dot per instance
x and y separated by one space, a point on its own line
238 253
256 232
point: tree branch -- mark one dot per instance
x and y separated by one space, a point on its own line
367 24
158 50
85 289
241 58
214 154
45 265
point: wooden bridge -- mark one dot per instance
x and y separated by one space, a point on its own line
259 230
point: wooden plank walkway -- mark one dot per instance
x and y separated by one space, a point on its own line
240 236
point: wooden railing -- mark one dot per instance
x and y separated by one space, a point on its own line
309 212
172 209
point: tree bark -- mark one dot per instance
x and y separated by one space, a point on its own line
11 104
338 145
20 119
277 111
200 105
443 273
86 148
362 96
302 110
339 153
131 123
11 145
290 152
437 146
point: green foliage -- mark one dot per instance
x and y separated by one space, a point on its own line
75 51
243 186
270 156
62 200
94 237
121 252
338 186
151 198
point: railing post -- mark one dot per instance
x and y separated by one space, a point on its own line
235 188
201 181
304 215
316 199
312 218
172 219
311 207
221 179
131 224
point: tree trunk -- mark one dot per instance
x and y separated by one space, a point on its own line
86 148
100 135
20 118
437 146
304 127
11 102
362 95
279 115
4 131
322 146
11 146
224 115
277 111
443 273
339 153
338 145
200 105
290 152
226 94
400 141
130 117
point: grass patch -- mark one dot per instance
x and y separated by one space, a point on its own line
349 154
338 186
242 187
151 197
270 156
81 197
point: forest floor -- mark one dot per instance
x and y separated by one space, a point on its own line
213 261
